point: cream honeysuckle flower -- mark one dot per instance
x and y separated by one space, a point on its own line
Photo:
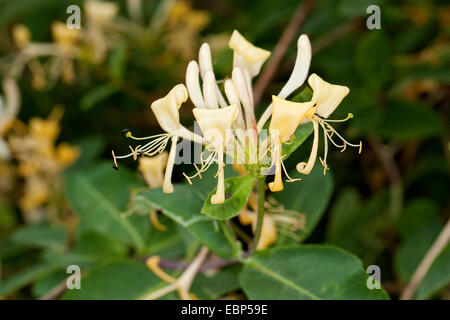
247 56
297 78
210 96
65 39
152 168
9 108
21 35
249 59
64 36
166 113
101 12
215 125
286 117
327 97
99 15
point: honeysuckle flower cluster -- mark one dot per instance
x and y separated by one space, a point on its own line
176 23
40 160
226 117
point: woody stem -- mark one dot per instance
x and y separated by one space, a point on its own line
261 194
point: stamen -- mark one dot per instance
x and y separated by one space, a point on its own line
115 166
325 166
134 151
155 222
153 264
287 175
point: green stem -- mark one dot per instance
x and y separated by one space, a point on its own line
261 193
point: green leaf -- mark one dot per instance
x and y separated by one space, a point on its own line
304 96
308 272
90 248
117 60
353 8
48 283
419 225
207 286
183 206
301 134
97 95
437 277
237 191
309 196
23 278
99 195
372 59
356 227
116 280
91 148
409 121
41 236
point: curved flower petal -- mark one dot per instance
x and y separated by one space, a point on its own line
100 12
193 84
327 96
301 67
287 115
166 108
247 56
152 169
209 90
214 123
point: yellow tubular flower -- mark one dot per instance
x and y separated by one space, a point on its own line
286 117
215 124
64 36
153 168
21 35
166 109
327 97
166 113
269 233
100 12
247 56
66 154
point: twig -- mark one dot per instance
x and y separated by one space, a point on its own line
55 292
281 47
438 245
386 156
261 193
334 35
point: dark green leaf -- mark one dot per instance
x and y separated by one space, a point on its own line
97 95
116 280
409 121
237 191
309 272
99 195
184 206
41 236
309 196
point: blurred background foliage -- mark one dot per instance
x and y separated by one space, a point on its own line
386 206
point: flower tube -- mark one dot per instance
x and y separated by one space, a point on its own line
215 123
286 117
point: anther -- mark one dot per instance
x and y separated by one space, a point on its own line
126 133
187 178
115 165
360 147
